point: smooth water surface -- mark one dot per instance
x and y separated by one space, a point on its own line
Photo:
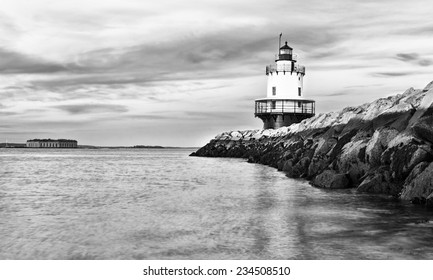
162 204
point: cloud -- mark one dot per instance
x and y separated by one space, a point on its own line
184 115
327 53
363 86
8 113
205 115
77 109
392 74
425 62
340 93
12 62
188 54
239 52
27 132
147 117
198 58
414 57
407 56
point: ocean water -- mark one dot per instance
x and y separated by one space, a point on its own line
162 204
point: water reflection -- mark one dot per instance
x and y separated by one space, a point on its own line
264 204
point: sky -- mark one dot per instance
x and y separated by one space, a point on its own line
177 73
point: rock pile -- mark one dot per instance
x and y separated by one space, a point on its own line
382 147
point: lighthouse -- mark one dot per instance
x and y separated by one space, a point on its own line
285 101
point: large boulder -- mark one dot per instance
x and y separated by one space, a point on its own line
288 167
419 187
378 181
418 169
301 168
352 160
341 142
329 179
296 170
317 165
413 97
423 128
406 157
236 149
397 116
404 152
377 144
377 107
428 87
325 145
402 121
424 109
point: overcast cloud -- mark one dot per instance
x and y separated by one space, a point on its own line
177 73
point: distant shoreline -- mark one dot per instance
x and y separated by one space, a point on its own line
23 146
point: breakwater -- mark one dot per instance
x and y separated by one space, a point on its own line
382 147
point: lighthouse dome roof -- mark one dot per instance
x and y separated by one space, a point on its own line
286 47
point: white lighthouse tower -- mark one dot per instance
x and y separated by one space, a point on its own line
285 101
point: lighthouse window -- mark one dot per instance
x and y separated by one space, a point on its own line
299 91
274 90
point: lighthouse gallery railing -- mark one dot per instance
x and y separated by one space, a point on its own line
283 106
285 68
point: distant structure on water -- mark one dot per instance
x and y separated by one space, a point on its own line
51 143
284 103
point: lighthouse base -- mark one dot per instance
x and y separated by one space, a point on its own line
274 121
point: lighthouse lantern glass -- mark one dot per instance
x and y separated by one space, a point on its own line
285 51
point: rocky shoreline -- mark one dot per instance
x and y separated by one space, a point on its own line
383 147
